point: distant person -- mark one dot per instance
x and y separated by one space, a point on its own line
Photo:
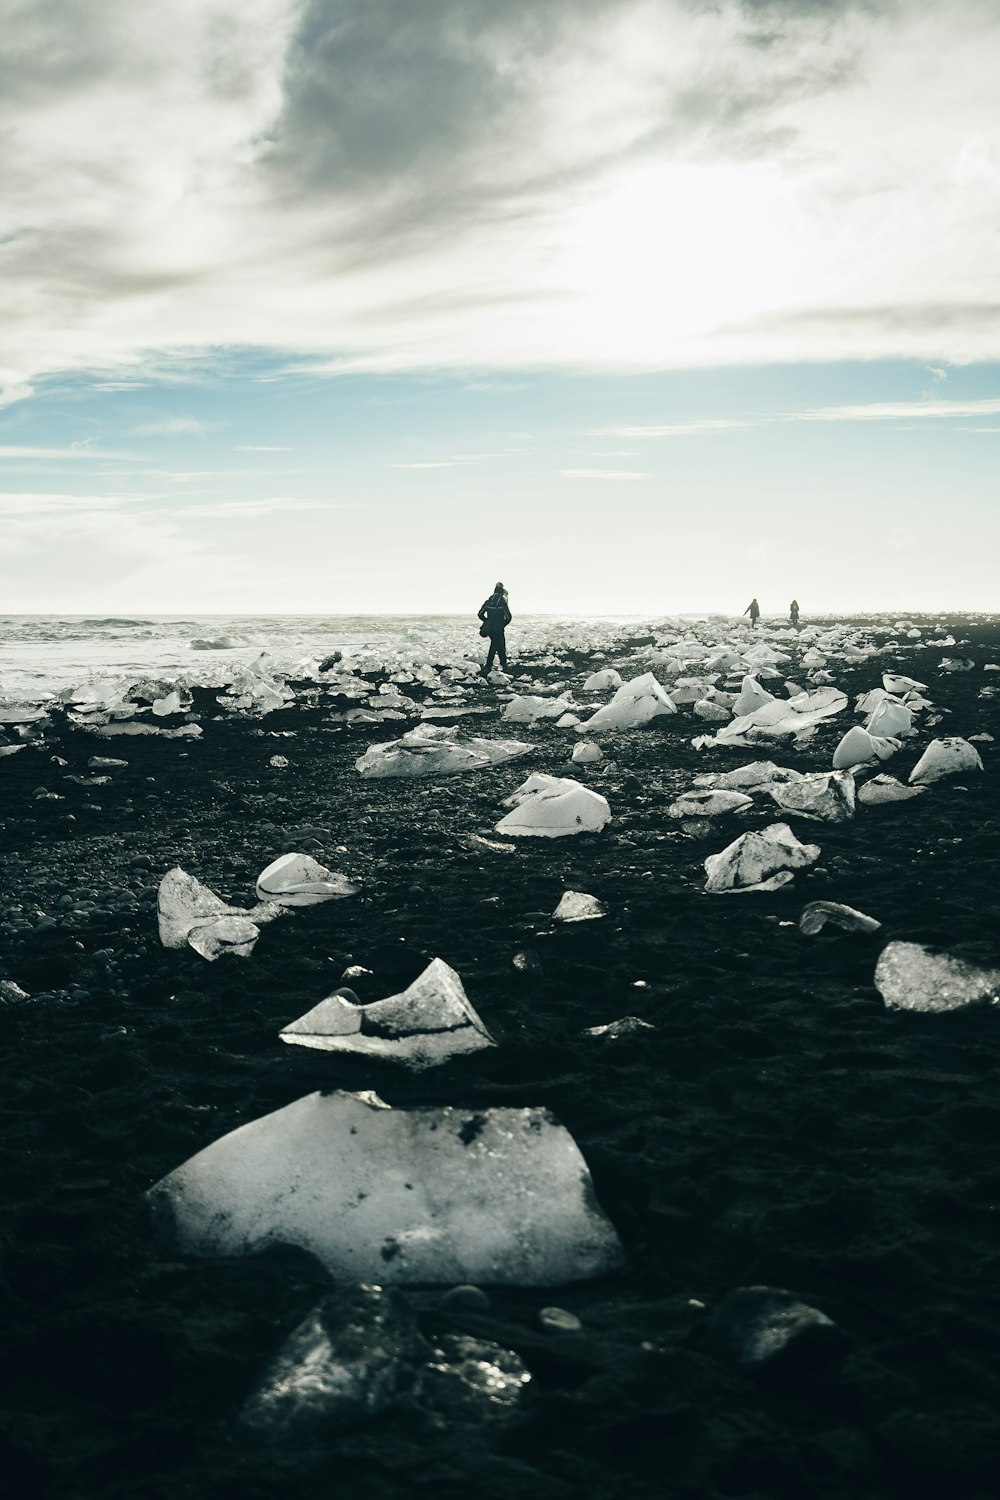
753 610
495 616
793 610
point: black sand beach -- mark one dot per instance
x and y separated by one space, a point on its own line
779 1126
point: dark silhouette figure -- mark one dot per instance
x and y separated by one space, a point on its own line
793 610
753 610
495 616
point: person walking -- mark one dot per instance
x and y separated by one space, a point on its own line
793 610
495 615
753 610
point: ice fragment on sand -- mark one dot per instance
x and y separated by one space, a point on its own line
171 704
910 976
613 1031
816 914
895 683
761 861
858 747
421 1027
747 778
429 750
599 682
758 1326
712 710
421 1195
576 906
104 763
529 710
553 807
886 789
949 757
708 804
465 1375
751 696
189 913
826 797
587 754
300 880
635 703
889 719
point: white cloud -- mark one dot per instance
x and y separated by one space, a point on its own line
596 184
602 474
870 411
262 448
171 427
75 451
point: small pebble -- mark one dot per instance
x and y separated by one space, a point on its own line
559 1320
467 1298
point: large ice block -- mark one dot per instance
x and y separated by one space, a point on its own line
911 976
553 807
634 704
824 797
948 757
761 861
423 1195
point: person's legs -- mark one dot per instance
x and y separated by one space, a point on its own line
489 656
501 646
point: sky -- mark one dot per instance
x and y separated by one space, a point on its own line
642 306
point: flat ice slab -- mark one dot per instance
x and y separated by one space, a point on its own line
300 880
423 1026
430 751
390 1195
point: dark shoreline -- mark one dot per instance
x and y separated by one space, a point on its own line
778 1126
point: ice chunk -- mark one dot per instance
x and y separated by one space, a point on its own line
424 1195
884 788
889 719
553 807
599 682
759 1326
613 1031
911 976
235 935
747 778
948 757
529 710
423 1026
465 1377
712 710
634 704
708 804
826 797
430 750
577 906
896 684
761 861
171 704
751 696
858 747
300 880
182 902
816 914
587 754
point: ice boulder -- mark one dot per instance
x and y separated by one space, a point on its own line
586 754
300 880
529 710
577 906
425 1025
600 682
761 861
816 914
751 696
858 747
708 804
635 703
429 750
889 719
883 789
432 1195
896 684
942 758
553 807
747 778
826 797
712 710
170 704
910 976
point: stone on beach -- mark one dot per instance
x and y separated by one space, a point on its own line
858 747
425 1025
635 703
942 758
912 976
825 797
553 807
816 914
430 750
300 880
708 804
430 1195
762 861
577 906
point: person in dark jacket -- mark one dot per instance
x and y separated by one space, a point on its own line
495 616
793 613
753 610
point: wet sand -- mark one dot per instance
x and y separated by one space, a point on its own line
778 1126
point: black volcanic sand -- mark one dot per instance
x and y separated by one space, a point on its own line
779 1126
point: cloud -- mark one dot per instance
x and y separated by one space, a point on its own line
870 411
675 429
602 474
262 448
171 427
586 184
74 452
